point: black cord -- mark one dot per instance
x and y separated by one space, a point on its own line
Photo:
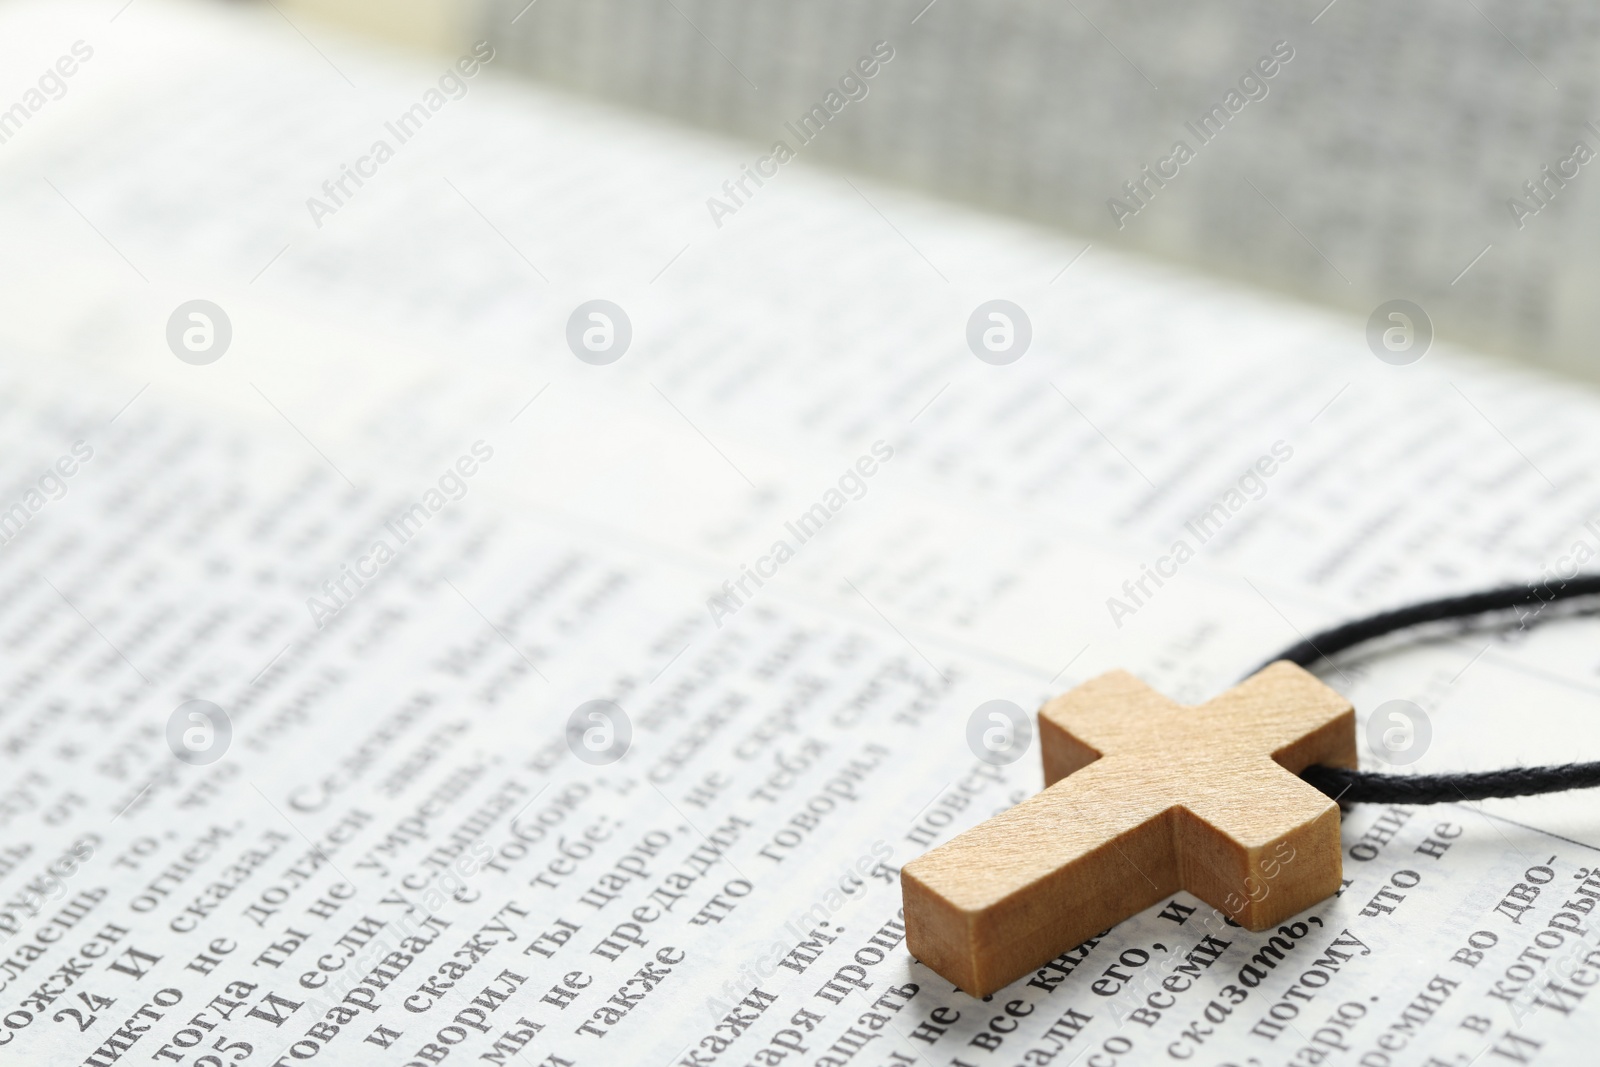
1329 642
1357 787
1367 787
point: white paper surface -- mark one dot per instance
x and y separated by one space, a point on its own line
403 771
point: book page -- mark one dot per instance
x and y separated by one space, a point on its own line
409 684
1349 152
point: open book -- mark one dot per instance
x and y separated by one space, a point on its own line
461 604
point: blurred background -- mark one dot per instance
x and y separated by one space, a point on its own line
1435 152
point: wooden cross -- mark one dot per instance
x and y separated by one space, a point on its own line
1143 796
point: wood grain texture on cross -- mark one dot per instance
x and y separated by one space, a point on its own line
1143 796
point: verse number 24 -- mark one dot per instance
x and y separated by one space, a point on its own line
93 1001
